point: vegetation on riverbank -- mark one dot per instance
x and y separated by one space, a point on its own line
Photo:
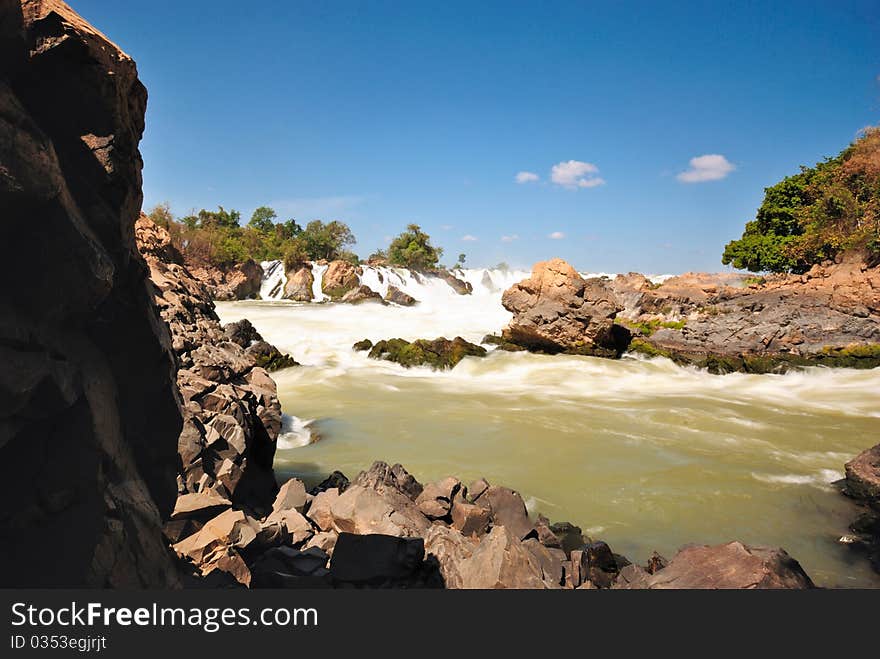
816 214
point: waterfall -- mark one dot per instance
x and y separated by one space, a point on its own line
424 288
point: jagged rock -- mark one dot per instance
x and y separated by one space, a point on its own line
362 346
336 480
291 496
435 501
319 509
232 528
732 565
507 508
863 475
87 452
655 563
381 477
397 296
200 505
477 489
288 524
299 285
439 354
450 548
340 278
469 519
458 285
364 510
361 294
232 413
556 310
570 536
376 559
598 564
550 560
325 541
240 281
500 561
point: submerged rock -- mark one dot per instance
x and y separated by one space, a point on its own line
439 354
244 334
397 296
362 294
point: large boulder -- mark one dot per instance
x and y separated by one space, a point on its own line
237 281
362 294
398 297
340 278
501 560
556 310
299 285
728 566
863 475
87 451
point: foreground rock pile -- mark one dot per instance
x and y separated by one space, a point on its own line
385 529
231 411
828 316
88 401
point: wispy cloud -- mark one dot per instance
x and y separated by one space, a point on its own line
312 208
510 238
446 227
468 238
710 167
556 235
526 177
574 174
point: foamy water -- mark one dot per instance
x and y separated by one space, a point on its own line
652 454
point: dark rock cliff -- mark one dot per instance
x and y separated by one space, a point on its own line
89 410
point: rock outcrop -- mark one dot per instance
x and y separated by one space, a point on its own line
240 281
232 415
862 483
729 566
340 278
556 310
299 285
439 354
88 405
398 297
829 316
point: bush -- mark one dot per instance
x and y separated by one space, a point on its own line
812 216
412 249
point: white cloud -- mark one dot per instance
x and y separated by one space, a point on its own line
526 177
556 235
468 238
573 174
510 238
710 167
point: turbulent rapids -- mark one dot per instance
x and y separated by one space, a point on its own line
646 454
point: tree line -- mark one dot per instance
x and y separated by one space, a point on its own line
218 238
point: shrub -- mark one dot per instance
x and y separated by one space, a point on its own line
412 249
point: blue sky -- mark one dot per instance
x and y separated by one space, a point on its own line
386 113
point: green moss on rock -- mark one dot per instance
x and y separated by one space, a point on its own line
439 354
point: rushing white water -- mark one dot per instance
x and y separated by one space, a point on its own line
644 452
317 283
274 280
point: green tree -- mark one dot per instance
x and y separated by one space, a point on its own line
461 260
326 241
263 219
412 249
816 214
161 215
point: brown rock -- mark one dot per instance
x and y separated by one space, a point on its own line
501 561
87 452
397 296
450 548
729 566
339 278
291 496
363 510
381 477
556 310
361 294
507 508
319 510
299 285
863 475
469 519
435 501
